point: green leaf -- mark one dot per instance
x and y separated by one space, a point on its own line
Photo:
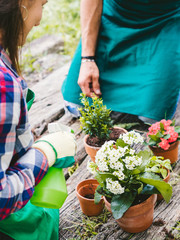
101 177
149 190
167 136
154 138
146 155
163 172
159 135
121 202
177 129
140 189
127 125
121 143
151 142
97 197
164 188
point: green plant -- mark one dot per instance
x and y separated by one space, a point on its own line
125 175
87 227
156 165
95 118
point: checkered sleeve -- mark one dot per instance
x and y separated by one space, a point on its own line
17 180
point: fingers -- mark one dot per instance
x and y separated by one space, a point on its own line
95 85
89 79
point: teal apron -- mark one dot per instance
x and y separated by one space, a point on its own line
31 222
138 56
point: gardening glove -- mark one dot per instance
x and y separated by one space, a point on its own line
56 146
67 161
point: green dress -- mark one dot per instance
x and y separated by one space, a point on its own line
138 55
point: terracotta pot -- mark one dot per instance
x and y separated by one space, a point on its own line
159 196
137 218
171 153
88 207
90 150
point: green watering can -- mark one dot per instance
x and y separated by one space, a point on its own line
51 192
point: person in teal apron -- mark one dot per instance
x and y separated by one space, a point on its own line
129 53
23 164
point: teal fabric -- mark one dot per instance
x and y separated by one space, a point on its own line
32 223
138 55
30 98
64 162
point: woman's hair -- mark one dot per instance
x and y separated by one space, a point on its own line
11 26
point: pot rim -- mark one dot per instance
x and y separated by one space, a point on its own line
172 146
97 148
84 181
142 203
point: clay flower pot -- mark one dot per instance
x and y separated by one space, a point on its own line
85 193
159 196
90 150
171 153
137 218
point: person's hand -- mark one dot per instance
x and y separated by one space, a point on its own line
56 146
89 79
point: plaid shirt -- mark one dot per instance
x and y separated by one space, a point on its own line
21 167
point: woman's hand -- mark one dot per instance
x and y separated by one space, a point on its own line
89 79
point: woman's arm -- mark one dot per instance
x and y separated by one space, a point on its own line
91 11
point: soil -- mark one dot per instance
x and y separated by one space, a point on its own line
95 142
139 199
89 196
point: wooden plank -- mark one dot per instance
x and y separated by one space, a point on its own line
48 104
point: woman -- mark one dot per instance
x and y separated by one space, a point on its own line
23 165
129 53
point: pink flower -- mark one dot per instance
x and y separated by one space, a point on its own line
153 130
166 123
164 144
173 137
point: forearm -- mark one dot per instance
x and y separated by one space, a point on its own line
91 11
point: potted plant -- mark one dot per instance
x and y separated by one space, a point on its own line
85 191
163 139
129 182
162 168
97 124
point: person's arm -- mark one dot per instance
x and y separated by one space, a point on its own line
17 181
91 11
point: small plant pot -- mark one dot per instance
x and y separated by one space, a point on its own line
90 150
159 196
137 218
171 153
85 191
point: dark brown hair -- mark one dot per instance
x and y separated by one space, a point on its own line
11 25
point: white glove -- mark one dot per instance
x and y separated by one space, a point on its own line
56 145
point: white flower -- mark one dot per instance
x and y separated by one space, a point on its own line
132 151
114 186
131 137
119 174
91 167
132 162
